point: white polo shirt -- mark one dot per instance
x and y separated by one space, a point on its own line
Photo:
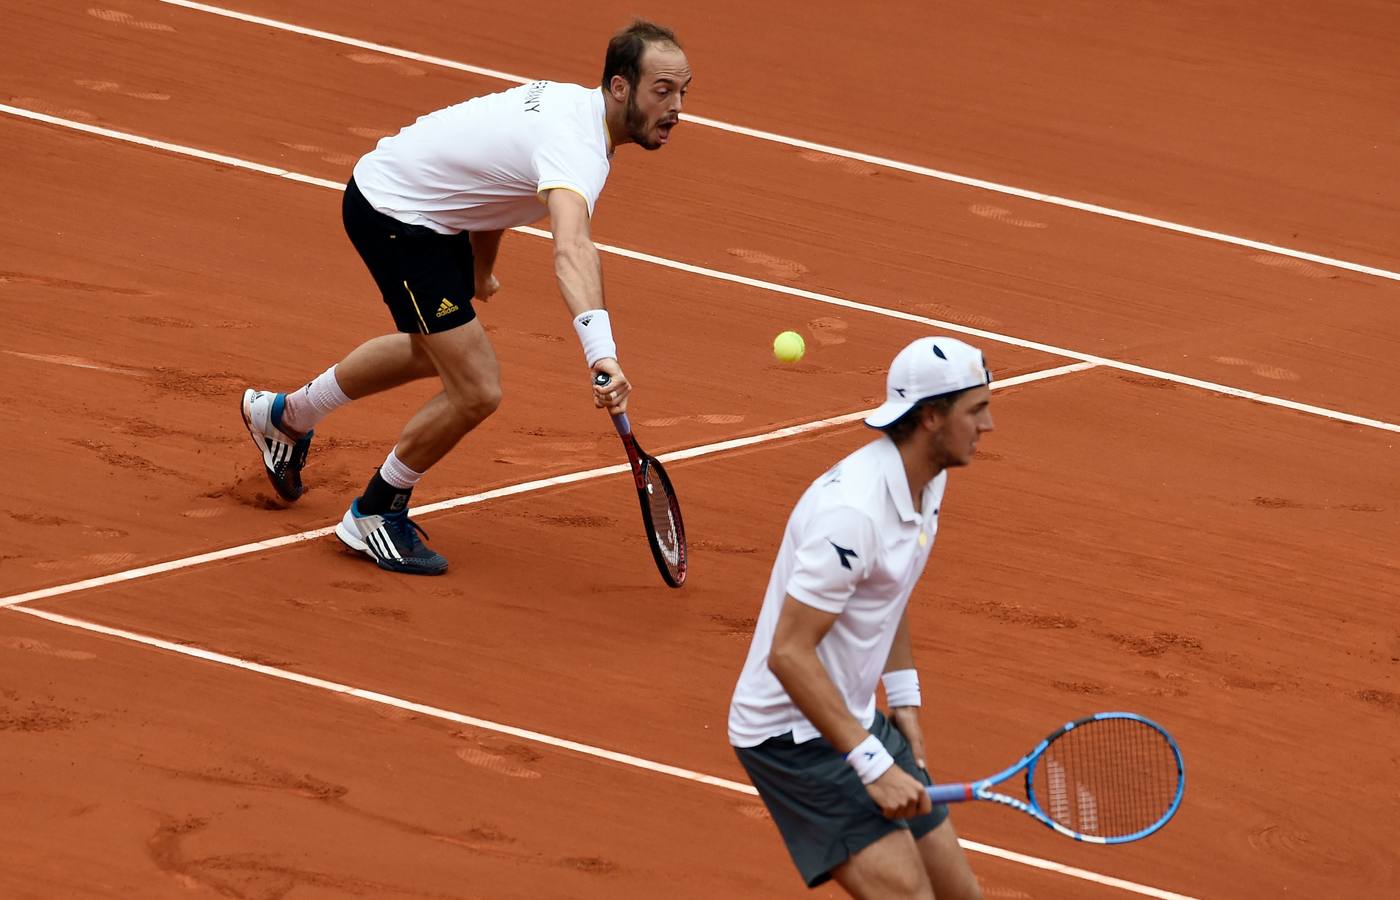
483 164
854 546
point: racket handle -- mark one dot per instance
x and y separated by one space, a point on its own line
620 422
949 793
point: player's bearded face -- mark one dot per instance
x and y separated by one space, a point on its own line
653 104
639 126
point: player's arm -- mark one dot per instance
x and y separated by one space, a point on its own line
485 246
580 275
834 557
793 660
901 682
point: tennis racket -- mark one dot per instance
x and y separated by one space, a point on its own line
1110 778
661 512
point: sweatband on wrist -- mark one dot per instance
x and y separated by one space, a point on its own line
902 687
595 334
870 759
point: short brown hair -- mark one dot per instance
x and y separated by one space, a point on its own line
627 46
900 429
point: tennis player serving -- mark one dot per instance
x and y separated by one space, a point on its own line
426 210
844 783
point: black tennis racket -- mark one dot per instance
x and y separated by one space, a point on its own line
1110 778
661 512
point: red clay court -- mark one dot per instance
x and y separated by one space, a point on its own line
1176 221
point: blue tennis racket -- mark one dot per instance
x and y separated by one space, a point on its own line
1110 778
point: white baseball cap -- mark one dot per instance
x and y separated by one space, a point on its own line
929 367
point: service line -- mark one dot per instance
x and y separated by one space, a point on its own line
1010 340
524 487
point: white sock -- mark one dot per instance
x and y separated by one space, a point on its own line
396 473
312 403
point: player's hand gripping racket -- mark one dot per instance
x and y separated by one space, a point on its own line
1110 778
661 513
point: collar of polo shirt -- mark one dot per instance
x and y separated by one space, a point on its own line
898 481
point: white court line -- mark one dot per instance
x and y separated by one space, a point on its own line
867 158
549 740
75 362
507 491
828 299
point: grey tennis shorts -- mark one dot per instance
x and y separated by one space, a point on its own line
819 804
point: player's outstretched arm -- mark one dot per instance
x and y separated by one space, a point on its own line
576 262
580 275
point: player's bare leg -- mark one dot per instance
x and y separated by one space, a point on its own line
947 865
382 363
377 523
471 382
889 869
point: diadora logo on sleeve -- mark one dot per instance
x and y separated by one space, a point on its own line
845 554
532 96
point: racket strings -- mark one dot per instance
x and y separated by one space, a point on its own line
664 517
1107 777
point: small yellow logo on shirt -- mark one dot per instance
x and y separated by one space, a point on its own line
447 307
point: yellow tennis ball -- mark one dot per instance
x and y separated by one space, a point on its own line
789 346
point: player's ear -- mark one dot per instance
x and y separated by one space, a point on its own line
931 416
619 88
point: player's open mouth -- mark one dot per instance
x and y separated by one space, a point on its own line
663 131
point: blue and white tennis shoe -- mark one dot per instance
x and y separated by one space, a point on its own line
283 455
391 540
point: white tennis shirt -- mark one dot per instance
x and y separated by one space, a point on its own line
853 546
482 165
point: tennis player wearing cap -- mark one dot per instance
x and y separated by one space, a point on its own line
843 782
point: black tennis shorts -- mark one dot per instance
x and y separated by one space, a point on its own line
819 804
427 278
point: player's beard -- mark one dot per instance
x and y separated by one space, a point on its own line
637 126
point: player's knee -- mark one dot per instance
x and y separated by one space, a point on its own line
906 882
476 404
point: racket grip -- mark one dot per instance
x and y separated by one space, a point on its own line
620 422
949 793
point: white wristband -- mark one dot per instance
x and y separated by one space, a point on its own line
870 759
595 334
902 688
